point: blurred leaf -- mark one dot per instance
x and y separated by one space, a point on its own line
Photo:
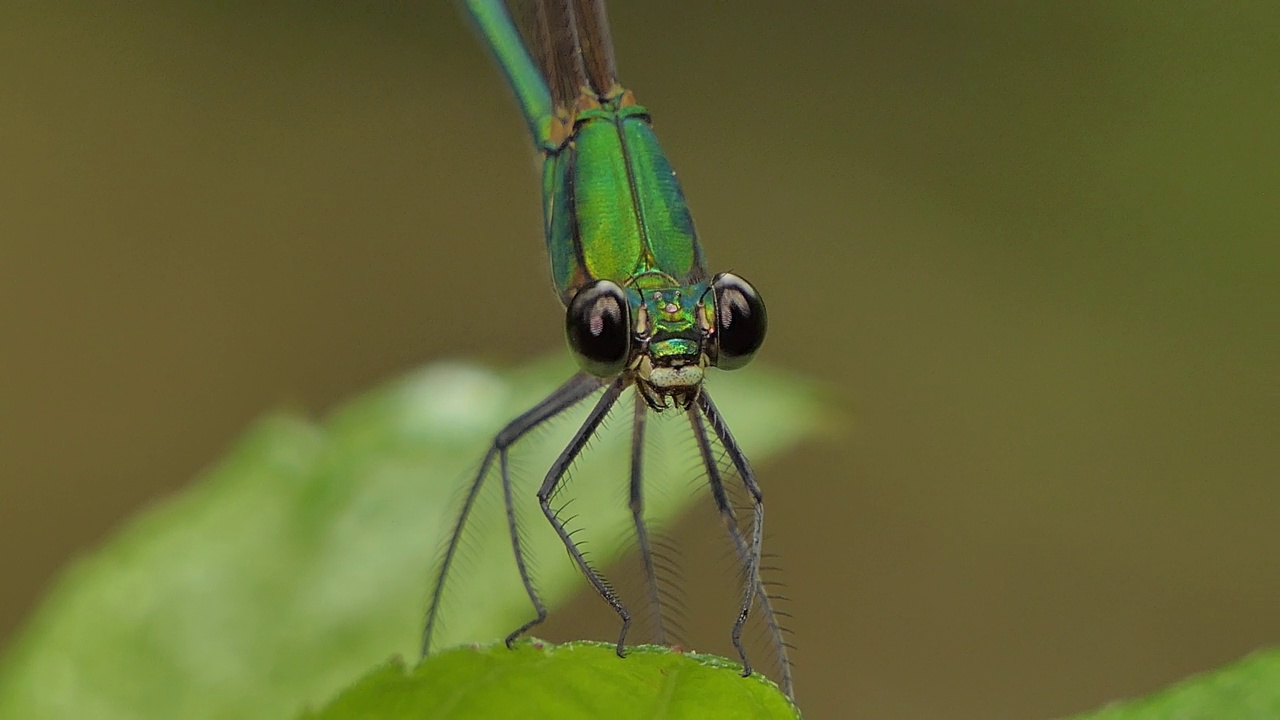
1246 690
302 559
575 680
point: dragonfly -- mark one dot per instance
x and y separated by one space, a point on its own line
642 314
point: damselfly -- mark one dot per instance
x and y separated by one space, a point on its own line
642 313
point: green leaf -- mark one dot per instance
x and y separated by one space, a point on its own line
1248 689
302 559
566 682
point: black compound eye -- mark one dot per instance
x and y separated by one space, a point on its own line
741 321
598 325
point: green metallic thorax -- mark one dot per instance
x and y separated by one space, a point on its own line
613 208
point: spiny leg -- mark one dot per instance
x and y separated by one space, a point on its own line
567 395
730 520
750 556
540 610
637 515
757 502
552 481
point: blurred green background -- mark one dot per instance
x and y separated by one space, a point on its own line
1031 248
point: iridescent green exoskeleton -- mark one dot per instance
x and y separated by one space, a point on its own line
641 310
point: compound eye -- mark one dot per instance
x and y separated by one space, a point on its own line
598 326
741 321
